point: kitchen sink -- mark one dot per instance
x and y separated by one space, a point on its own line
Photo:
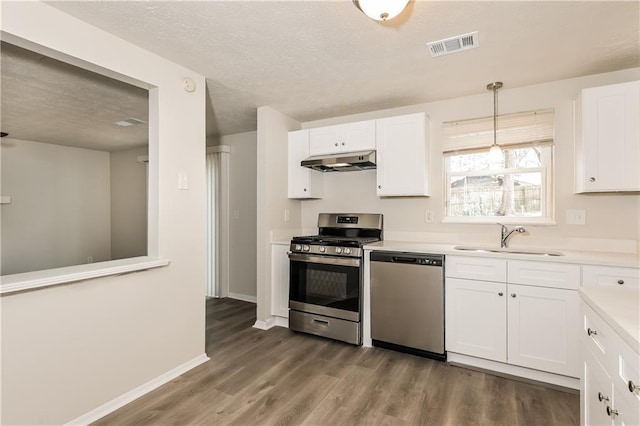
509 250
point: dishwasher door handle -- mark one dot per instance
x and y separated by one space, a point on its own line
399 259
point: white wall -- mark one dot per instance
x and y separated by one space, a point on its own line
67 350
128 204
59 214
242 214
612 217
272 201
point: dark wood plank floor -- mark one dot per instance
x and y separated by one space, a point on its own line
278 377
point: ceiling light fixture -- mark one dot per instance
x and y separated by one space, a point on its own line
495 153
381 10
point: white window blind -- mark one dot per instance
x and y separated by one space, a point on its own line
523 128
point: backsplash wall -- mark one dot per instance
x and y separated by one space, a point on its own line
612 218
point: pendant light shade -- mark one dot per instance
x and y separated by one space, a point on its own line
495 153
381 10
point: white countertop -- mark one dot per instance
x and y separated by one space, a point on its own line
620 308
580 257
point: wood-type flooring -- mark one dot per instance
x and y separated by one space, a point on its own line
279 377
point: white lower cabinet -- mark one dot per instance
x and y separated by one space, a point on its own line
476 318
280 280
521 325
610 375
596 393
543 329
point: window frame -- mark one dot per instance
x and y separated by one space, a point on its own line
547 199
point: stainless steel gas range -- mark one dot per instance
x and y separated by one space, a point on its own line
325 275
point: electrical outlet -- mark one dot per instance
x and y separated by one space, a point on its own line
183 181
576 217
428 216
286 215
89 259
236 214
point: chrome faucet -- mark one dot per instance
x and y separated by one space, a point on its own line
505 233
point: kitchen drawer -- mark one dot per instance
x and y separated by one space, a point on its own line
599 338
595 276
544 274
628 371
476 268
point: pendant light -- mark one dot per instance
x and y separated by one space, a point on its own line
381 10
495 153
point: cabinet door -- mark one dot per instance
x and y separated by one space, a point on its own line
360 136
351 137
402 156
543 329
611 137
476 318
302 182
280 280
596 392
326 140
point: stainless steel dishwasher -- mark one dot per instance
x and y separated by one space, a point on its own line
407 302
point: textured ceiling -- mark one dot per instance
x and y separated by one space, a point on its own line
318 59
46 100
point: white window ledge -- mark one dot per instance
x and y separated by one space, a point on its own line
71 274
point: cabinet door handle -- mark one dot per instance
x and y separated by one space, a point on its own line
620 282
591 332
513 295
501 294
611 411
305 189
336 144
602 397
633 387
379 186
592 179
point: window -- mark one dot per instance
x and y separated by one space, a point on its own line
516 186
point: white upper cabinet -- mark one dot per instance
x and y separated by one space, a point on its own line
402 156
303 182
607 139
350 137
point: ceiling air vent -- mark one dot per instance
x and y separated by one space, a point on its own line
453 44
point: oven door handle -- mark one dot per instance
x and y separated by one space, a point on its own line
327 260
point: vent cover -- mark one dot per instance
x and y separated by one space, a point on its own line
453 44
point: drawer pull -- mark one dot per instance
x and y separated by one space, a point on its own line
513 295
321 322
591 332
602 397
500 294
633 387
611 411
620 282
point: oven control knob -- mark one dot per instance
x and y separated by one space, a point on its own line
297 247
305 248
338 250
347 250
322 249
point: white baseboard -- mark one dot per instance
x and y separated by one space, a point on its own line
136 393
266 324
242 297
272 322
513 370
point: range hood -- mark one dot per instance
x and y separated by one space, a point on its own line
345 162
